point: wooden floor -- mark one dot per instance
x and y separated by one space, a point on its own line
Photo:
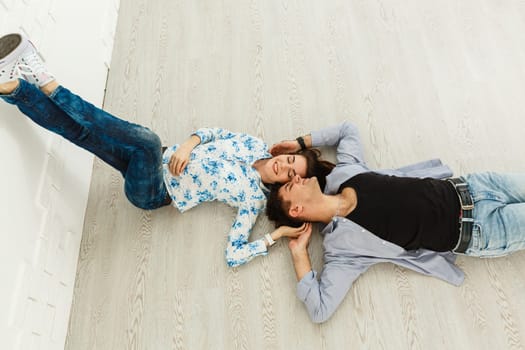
421 79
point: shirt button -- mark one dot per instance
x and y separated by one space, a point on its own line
383 242
362 230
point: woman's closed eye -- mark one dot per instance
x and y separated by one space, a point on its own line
291 172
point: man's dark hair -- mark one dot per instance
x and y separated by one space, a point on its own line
277 209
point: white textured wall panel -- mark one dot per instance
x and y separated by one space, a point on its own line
44 187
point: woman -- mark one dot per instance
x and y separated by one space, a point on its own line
213 164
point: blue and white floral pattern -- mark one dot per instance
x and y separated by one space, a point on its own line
220 168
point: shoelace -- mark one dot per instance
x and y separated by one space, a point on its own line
33 64
16 71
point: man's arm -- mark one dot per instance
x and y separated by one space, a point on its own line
290 146
323 297
299 250
344 136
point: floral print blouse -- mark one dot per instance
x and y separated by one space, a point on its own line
220 168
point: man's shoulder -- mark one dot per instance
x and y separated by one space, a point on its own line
341 173
342 227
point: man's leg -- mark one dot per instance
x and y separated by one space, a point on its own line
499 213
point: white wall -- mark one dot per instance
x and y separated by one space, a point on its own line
44 180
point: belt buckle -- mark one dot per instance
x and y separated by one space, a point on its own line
464 185
467 206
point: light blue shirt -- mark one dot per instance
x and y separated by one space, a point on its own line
220 168
349 249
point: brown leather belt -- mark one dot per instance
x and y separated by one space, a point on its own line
466 220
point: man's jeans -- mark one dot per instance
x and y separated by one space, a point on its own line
499 213
132 149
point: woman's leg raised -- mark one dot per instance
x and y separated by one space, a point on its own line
40 109
138 145
130 148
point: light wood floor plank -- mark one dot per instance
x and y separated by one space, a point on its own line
421 79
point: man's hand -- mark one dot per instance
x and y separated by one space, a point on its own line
299 249
285 147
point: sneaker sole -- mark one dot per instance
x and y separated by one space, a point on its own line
8 44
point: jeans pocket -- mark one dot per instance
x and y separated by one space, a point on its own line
476 241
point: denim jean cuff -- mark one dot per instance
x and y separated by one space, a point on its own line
55 92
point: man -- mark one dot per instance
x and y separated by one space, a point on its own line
414 220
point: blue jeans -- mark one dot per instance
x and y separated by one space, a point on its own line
132 149
499 214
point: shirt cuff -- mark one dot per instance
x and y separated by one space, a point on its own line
305 284
261 246
316 138
201 134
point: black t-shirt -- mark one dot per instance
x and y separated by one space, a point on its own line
410 212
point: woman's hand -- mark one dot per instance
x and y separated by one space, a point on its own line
181 157
292 232
179 160
285 147
299 244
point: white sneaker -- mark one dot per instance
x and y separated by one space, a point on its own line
32 67
11 46
20 57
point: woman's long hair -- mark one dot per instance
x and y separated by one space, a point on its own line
315 166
